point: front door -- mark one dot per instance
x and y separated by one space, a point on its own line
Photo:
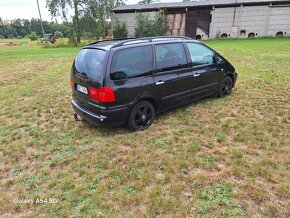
206 73
172 75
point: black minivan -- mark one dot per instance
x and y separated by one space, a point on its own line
130 81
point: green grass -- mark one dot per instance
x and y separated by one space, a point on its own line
215 158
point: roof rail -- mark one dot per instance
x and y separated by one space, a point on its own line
109 40
147 39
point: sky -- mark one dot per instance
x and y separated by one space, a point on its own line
27 9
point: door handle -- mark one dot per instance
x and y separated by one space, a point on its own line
196 74
159 82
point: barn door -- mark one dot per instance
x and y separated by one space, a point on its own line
197 23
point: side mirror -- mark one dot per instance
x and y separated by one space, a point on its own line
219 60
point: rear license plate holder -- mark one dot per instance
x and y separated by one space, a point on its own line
82 89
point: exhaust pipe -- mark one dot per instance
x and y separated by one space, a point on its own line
78 117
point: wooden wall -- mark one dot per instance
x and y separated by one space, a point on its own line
176 24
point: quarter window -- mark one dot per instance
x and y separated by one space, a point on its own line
170 56
132 62
200 54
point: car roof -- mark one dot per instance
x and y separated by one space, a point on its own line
109 44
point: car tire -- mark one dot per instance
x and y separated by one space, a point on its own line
225 87
141 116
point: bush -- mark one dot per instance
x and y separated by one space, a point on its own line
11 36
72 38
64 43
32 36
144 26
2 37
120 30
19 37
58 34
156 27
87 35
160 24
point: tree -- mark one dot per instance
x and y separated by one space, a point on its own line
23 27
101 12
57 7
97 9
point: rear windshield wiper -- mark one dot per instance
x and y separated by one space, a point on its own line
84 75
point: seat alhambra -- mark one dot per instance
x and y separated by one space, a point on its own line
130 81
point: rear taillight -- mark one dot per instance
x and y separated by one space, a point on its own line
72 83
102 94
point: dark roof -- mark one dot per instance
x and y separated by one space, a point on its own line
200 3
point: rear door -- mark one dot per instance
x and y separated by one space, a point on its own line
88 71
206 73
172 74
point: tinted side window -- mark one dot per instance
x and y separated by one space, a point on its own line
200 54
170 57
132 62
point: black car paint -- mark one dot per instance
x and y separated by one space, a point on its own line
177 87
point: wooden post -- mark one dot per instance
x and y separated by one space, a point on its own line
43 33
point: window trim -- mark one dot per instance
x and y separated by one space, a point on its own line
150 73
155 72
202 65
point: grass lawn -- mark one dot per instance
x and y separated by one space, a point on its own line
214 158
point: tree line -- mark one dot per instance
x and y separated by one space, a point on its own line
95 13
20 28
91 19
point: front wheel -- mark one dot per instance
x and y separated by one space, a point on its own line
225 87
141 116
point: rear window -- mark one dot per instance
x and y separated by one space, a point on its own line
90 64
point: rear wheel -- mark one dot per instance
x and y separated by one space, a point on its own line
225 87
141 116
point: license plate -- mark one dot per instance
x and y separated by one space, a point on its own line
82 89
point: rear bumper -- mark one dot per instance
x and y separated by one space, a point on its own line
106 116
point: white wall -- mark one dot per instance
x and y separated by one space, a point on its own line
279 20
261 20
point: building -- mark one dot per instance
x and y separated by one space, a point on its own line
215 18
